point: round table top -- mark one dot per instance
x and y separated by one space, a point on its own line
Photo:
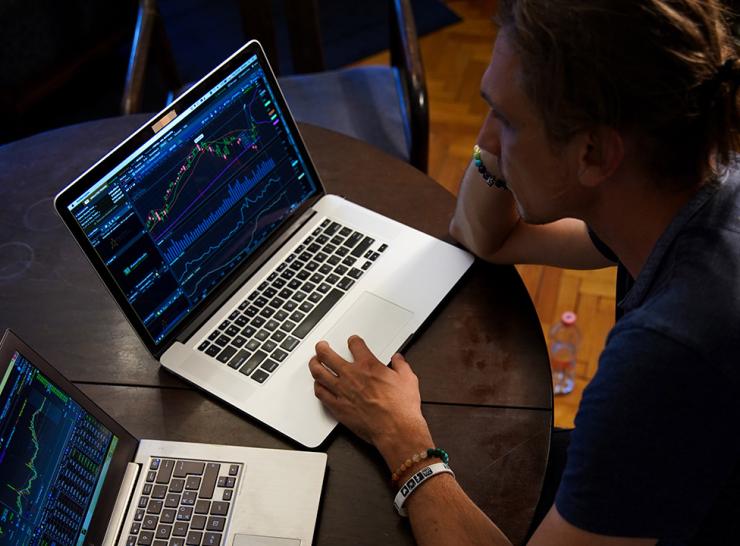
481 360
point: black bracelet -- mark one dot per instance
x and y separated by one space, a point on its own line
490 179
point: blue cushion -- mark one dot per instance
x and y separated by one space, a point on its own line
362 102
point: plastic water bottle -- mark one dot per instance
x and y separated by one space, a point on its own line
564 340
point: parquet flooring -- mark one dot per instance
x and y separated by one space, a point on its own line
454 60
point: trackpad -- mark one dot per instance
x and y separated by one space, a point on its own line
257 540
374 319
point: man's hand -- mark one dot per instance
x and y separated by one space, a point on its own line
381 405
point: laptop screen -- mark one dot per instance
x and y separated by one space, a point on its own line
175 217
54 458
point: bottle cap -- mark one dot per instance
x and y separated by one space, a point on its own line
568 318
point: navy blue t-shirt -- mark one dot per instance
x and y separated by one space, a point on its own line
656 448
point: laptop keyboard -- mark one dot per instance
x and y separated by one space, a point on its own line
184 503
271 322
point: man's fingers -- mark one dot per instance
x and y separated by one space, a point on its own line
323 376
330 358
399 364
359 348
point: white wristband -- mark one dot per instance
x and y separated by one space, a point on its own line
415 481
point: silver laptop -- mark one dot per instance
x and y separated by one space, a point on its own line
212 230
71 475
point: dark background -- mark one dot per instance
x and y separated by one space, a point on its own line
65 62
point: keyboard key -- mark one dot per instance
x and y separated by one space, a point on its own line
317 314
212 539
203 346
149 522
131 541
166 467
382 248
228 493
143 501
306 307
225 355
223 325
213 335
253 345
249 331
209 481
163 532
238 341
332 279
349 261
232 330
315 297
235 363
135 527
188 498
289 343
323 288
259 376
280 316
299 296
345 231
269 346
353 239
278 355
329 249
180 529
332 229
230 482
325 269
257 322
194 538
202 506
222 341
341 270
316 278
287 326
312 266
278 336
251 311
360 249
308 287
216 523
139 514
278 283
276 302
145 538
184 513
253 361
198 523
172 500
320 257
313 248
267 312
176 486
269 365
269 293
303 275
183 468
355 273
322 239
219 508
262 335
213 350
151 475
158 492
374 256
333 260
177 542
366 265
337 240
241 321
342 251
297 316
147 489
154 507
346 283
193 483
167 516
290 305
233 470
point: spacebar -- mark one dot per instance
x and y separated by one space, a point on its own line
316 315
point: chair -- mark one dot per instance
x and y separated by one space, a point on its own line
384 106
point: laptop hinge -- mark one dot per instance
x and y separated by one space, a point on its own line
274 247
122 501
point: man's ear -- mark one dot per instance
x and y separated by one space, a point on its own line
601 153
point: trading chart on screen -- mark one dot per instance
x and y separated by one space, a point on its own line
53 460
185 211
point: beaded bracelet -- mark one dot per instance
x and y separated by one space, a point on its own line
416 457
490 178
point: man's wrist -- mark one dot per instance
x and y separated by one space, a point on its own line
397 447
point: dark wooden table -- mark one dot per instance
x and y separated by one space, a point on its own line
482 360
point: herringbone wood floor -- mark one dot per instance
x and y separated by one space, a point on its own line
455 59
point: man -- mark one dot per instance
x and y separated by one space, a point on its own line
613 123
